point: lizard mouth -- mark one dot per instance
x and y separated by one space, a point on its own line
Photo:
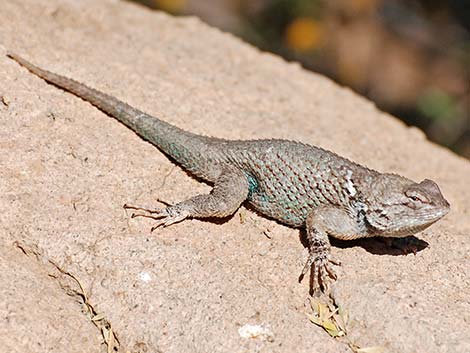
427 222
418 223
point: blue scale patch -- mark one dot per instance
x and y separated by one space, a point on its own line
252 185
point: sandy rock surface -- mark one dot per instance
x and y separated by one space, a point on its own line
67 169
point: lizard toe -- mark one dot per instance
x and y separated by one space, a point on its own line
169 216
164 217
321 271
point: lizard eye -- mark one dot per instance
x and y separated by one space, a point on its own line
416 197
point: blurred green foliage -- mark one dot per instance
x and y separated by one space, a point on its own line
437 105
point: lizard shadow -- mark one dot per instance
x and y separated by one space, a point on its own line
385 246
377 245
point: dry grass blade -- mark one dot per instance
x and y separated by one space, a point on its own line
327 317
98 320
75 288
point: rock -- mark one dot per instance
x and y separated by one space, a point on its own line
67 169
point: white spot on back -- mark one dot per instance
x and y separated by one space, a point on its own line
349 183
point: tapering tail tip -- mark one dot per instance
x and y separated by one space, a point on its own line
11 55
16 58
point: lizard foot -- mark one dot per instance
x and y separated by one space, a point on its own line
164 217
320 265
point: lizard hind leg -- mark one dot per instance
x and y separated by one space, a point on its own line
230 190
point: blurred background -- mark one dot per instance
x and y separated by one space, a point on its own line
411 57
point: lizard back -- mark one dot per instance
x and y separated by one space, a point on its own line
287 178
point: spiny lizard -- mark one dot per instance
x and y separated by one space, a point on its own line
294 183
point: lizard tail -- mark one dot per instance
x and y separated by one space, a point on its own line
110 105
184 147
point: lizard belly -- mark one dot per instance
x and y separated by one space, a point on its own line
288 210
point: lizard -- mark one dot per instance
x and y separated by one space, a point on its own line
296 184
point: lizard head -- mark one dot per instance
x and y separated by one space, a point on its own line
400 207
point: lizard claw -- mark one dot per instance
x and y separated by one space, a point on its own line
320 265
164 217
129 207
169 216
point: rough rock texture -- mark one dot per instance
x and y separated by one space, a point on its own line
67 169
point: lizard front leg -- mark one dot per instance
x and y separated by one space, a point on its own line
320 223
230 190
